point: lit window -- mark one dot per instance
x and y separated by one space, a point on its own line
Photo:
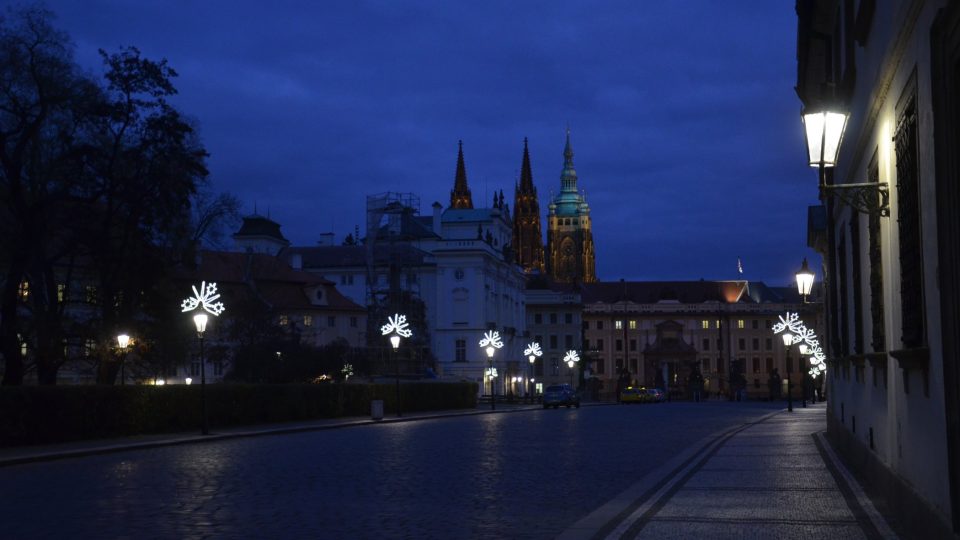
618 325
308 320
24 291
705 324
91 294
89 346
284 320
633 325
718 323
740 323
61 291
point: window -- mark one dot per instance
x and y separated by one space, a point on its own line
599 344
568 318
768 344
555 365
218 368
538 339
719 344
331 321
601 367
91 296
538 368
705 324
586 344
284 320
553 342
618 345
553 318
599 325
706 344
458 274
308 320
618 325
89 346
742 344
633 345
754 324
568 341
585 325
740 324
756 365
195 368
720 365
908 212
756 343
61 292
24 291
538 318
768 324
706 365
619 364
460 350
353 322
769 363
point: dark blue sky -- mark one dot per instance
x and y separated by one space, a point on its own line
684 122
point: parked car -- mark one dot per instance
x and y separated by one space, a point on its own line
631 394
655 395
556 395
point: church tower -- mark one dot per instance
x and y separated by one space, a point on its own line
460 196
527 236
570 234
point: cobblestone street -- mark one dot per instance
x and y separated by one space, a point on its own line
529 474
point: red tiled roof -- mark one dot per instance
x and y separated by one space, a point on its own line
651 292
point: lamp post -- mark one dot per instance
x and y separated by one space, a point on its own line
532 351
787 341
123 341
396 328
200 320
490 343
206 299
571 358
804 350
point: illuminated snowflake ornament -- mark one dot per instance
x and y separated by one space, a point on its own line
571 357
801 334
347 371
533 350
397 324
206 298
491 339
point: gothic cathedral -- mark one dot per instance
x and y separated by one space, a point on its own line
570 256
527 238
460 195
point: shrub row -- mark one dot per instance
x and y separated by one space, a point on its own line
52 414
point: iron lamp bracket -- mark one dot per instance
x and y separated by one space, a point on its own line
866 198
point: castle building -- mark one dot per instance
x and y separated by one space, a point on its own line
569 235
527 236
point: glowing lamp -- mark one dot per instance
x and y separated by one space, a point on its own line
824 132
489 350
188 380
395 341
803 348
123 340
200 320
787 339
805 279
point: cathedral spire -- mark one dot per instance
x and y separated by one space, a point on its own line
568 178
460 196
527 245
526 176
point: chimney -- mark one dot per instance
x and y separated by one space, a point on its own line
296 261
436 218
326 239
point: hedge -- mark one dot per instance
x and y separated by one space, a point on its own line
53 414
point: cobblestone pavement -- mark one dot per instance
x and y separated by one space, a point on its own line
528 474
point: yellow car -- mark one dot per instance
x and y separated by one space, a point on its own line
633 395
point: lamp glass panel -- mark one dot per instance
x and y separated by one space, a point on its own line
834 124
804 282
813 124
200 320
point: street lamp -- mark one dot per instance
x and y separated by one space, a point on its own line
532 351
787 341
205 298
123 340
490 343
571 358
396 328
805 280
824 133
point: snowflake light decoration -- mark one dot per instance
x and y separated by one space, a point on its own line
398 324
802 334
491 373
533 350
491 339
347 371
206 298
571 357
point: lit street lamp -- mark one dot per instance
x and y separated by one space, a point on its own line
805 278
205 298
490 343
532 351
787 341
123 341
571 358
396 328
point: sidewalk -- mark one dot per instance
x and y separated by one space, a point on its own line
30 454
776 478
